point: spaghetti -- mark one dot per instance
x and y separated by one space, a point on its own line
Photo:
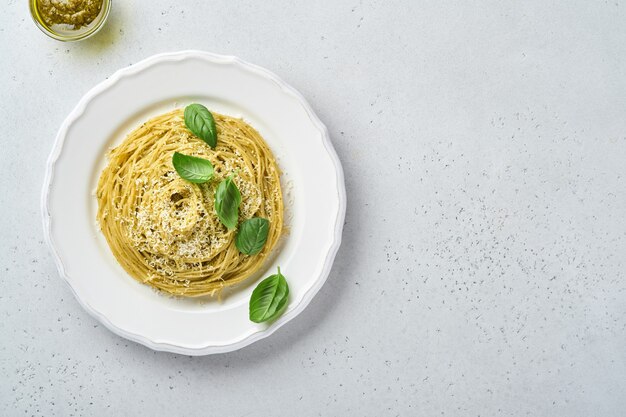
163 230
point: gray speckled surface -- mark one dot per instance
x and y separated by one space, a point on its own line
482 270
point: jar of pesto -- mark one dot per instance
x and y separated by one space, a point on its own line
69 20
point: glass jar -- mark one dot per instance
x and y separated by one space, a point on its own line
65 32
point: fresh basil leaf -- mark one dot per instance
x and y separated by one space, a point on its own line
227 200
269 298
200 121
252 235
191 168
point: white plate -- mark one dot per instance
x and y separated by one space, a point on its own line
312 180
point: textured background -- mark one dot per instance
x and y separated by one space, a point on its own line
482 269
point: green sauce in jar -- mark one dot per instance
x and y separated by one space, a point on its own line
75 13
69 20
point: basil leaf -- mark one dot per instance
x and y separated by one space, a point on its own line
227 200
269 298
252 235
200 121
191 168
